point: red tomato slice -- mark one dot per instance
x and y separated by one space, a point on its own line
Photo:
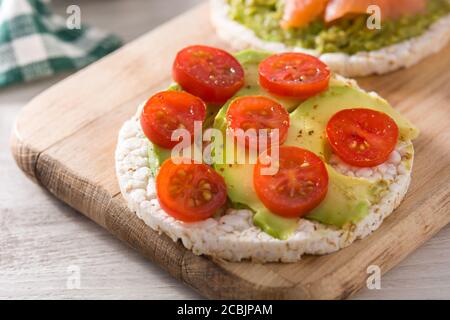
362 137
170 110
257 112
296 75
299 186
190 192
209 73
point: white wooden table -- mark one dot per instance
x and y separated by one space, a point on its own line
42 241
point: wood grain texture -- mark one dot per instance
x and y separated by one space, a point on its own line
74 161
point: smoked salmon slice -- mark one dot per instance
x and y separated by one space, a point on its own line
299 13
390 9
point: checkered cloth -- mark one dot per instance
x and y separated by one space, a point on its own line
35 43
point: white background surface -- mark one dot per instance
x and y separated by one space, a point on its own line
41 238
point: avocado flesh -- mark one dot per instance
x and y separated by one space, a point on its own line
274 225
348 199
156 157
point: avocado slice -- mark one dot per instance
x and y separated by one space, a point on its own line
274 225
156 157
347 201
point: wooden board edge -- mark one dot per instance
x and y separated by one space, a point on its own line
198 272
23 154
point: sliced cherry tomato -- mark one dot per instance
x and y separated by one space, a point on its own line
362 137
296 75
299 186
257 112
209 73
190 192
170 110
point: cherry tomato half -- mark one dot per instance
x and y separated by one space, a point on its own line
209 73
190 192
170 110
295 75
257 112
299 186
362 137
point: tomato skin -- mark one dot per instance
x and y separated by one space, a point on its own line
167 111
295 75
209 73
258 112
362 137
299 186
181 190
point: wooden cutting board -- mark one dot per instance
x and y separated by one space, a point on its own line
65 138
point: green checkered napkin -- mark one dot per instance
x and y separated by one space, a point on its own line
35 43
